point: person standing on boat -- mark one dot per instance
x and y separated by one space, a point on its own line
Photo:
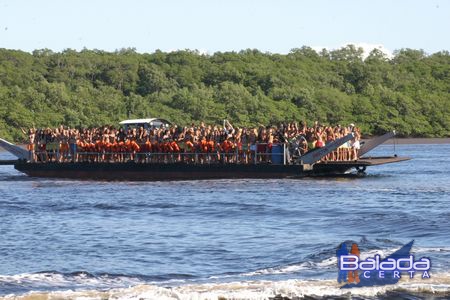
270 139
244 140
355 143
31 142
64 145
42 145
303 147
253 137
121 136
53 145
345 148
216 138
261 147
311 139
228 128
73 144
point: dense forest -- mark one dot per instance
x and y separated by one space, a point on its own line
408 92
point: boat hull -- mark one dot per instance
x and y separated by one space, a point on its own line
181 171
148 172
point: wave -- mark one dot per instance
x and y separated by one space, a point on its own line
259 284
50 281
438 286
431 249
329 262
271 281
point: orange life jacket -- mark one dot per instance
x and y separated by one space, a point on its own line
190 145
135 146
148 146
175 146
211 146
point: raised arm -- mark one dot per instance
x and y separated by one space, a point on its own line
231 126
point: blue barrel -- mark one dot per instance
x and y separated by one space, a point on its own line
277 154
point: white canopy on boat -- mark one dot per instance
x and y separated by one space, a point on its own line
149 122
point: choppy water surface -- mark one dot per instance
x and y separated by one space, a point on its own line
230 238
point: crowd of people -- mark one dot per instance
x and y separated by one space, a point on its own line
198 143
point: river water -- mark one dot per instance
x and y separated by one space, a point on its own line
246 239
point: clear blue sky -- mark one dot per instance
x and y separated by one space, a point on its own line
213 25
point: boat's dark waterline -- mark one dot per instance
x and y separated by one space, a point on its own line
181 171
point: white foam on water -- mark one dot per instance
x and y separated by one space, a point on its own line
279 270
124 287
327 263
431 249
51 280
41 278
438 283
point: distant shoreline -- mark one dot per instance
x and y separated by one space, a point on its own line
417 141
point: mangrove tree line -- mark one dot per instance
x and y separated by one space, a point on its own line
408 92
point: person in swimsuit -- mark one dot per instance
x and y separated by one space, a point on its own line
252 139
31 142
355 143
73 138
244 140
64 145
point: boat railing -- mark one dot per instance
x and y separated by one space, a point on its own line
254 156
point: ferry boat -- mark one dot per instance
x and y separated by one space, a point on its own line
310 164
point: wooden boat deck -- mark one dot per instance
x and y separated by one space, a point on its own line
340 167
8 162
367 161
